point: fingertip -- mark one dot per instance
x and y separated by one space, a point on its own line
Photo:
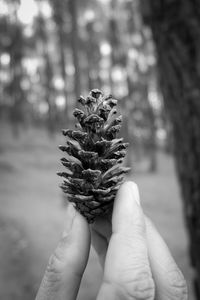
74 245
127 211
69 218
74 222
133 188
80 231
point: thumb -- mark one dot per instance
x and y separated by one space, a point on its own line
67 264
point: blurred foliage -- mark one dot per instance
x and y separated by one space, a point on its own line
53 50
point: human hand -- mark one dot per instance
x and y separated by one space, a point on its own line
136 261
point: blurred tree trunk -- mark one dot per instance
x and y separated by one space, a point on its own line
176 30
49 92
47 74
117 54
122 43
59 15
93 56
15 89
75 45
151 144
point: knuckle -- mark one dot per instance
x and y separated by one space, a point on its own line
54 268
57 261
178 286
52 277
52 273
141 288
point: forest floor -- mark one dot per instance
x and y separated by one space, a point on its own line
32 214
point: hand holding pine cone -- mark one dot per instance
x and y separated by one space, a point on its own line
94 173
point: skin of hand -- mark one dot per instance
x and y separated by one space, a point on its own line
137 264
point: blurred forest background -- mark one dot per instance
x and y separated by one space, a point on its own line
51 52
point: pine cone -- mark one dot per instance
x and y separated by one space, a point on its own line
94 173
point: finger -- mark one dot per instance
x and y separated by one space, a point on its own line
127 273
170 283
66 266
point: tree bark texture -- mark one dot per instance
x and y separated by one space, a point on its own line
176 30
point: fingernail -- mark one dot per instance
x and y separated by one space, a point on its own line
135 192
70 216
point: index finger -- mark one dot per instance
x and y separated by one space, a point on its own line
127 271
